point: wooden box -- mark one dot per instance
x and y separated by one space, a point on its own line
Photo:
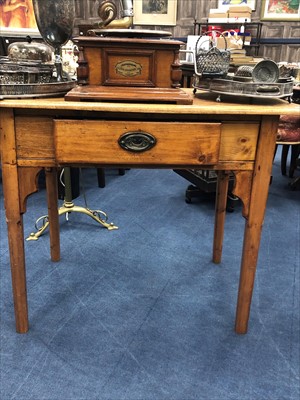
129 68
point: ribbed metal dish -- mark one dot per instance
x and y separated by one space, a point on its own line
24 71
36 90
265 71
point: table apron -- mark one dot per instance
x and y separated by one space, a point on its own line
47 141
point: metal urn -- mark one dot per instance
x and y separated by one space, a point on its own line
55 21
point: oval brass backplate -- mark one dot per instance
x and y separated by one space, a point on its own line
137 141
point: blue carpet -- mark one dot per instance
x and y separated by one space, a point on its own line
142 312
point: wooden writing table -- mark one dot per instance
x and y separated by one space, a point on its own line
41 134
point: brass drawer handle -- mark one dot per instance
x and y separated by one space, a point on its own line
137 141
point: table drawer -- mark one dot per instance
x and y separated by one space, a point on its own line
136 142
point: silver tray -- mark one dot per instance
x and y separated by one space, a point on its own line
251 89
261 96
248 89
11 91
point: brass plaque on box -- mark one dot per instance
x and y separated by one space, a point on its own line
128 68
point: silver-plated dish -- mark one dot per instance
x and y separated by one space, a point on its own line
35 90
242 78
29 51
285 79
24 71
251 89
244 71
266 71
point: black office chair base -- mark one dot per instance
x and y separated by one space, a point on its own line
194 192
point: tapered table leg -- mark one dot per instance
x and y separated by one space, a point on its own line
17 259
52 196
14 219
254 222
220 214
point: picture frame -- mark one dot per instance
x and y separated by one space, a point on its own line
280 10
226 3
17 19
154 12
18 32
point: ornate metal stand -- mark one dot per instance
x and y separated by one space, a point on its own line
68 207
55 20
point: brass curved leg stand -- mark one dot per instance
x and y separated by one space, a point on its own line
68 207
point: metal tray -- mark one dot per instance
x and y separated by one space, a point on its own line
251 89
11 91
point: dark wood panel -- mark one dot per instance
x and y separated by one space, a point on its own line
272 51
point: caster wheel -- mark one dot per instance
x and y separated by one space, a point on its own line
188 200
232 200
